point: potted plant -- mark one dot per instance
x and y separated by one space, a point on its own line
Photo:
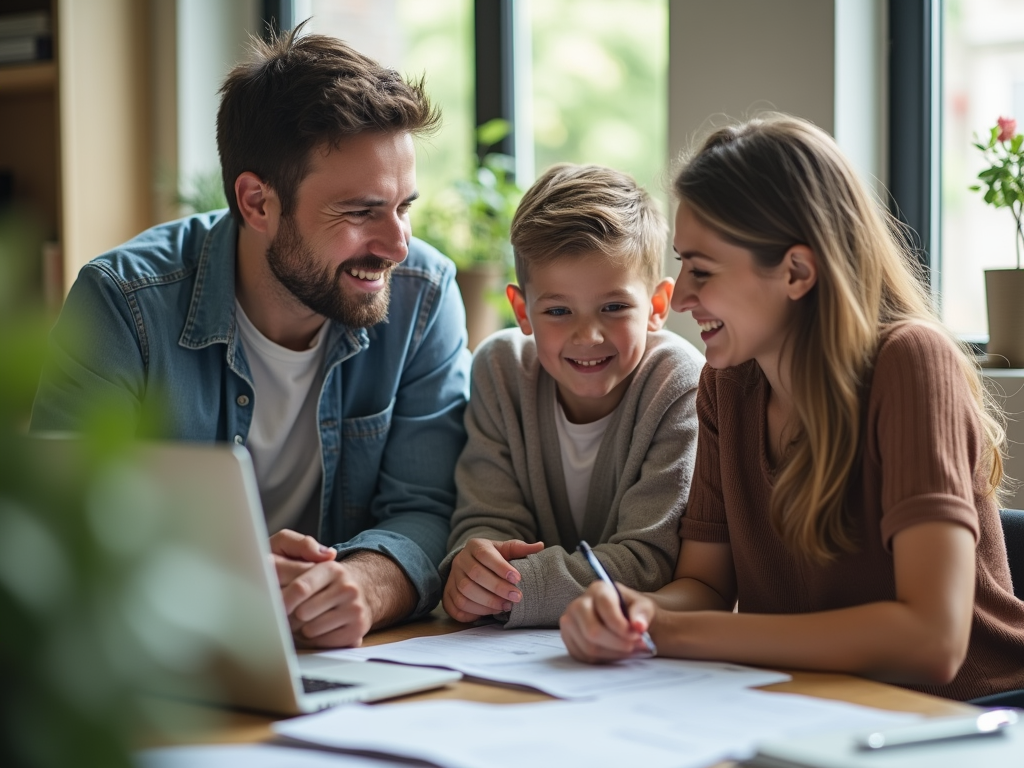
1003 185
469 222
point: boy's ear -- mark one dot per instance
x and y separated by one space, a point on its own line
801 271
518 302
258 203
661 300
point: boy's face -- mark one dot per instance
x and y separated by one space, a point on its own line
590 318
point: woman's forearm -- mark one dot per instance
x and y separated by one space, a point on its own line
886 641
688 594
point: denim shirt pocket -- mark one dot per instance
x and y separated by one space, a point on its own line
363 439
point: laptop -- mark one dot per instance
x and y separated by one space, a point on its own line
213 582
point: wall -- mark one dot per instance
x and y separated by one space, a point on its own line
819 59
104 145
1008 388
194 45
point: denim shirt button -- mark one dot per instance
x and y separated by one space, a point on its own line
239 440
242 400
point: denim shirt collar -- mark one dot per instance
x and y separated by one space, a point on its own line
211 313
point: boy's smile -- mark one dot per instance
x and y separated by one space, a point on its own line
590 317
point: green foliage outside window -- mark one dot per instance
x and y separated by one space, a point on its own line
470 220
600 91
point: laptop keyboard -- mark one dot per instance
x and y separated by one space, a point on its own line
314 685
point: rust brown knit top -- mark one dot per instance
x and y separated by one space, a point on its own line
921 446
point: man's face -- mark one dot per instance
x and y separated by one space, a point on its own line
349 228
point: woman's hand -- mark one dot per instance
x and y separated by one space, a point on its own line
594 629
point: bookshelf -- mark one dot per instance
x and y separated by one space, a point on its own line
75 135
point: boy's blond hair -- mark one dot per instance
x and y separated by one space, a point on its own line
572 210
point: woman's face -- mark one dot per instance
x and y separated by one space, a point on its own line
744 311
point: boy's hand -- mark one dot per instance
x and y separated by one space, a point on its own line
481 581
594 629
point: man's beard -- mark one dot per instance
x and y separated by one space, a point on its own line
293 263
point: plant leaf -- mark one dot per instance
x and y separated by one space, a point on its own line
493 131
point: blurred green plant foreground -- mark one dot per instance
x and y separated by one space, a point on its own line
89 615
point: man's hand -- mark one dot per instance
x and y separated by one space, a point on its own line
294 554
334 604
482 582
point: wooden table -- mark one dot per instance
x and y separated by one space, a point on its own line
201 724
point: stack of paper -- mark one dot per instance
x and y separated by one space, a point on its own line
537 658
655 729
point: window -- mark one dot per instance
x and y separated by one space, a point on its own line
600 85
983 79
416 38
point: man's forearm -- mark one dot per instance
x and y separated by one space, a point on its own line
389 592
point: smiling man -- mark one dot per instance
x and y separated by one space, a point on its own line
305 323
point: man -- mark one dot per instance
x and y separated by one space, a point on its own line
306 324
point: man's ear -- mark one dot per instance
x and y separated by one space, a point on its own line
518 302
661 301
258 203
801 271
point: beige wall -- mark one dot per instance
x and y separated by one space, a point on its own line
729 59
104 127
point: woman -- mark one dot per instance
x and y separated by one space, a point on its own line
847 460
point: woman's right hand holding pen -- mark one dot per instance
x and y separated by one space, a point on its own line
594 629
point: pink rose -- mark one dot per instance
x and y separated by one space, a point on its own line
1007 128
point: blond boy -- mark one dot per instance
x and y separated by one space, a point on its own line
583 425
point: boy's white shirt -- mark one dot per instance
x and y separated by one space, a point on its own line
579 444
283 438
511 485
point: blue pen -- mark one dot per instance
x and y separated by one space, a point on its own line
602 574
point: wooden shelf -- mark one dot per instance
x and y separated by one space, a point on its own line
38 77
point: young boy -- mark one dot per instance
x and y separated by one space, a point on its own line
584 425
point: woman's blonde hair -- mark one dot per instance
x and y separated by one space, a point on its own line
778 181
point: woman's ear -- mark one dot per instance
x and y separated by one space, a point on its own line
258 203
801 271
518 302
661 301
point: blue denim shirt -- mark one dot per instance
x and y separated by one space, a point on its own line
148 333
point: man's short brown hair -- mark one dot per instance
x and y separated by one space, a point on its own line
572 210
295 94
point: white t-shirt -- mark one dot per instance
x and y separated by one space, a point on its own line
284 439
579 444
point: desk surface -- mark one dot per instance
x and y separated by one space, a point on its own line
212 725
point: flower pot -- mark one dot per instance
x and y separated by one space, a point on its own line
481 286
1004 296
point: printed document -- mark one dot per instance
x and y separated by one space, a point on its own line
537 658
655 729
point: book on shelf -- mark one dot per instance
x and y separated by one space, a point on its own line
25 37
34 24
22 50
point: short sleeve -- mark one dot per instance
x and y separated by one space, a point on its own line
928 433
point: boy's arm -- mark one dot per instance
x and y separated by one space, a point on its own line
643 550
491 504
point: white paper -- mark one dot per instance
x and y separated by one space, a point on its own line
657 730
537 658
253 756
